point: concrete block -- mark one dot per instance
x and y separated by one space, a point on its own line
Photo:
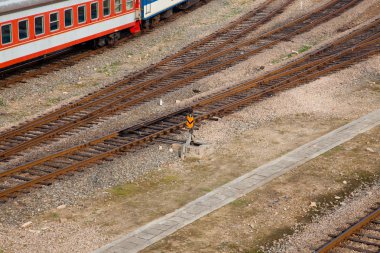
145 236
196 209
198 150
135 240
152 231
177 219
117 249
160 227
126 245
185 215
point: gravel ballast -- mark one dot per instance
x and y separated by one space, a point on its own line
351 93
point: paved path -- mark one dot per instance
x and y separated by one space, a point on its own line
164 226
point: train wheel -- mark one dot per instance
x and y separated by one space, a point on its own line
155 21
146 24
187 4
167 14
113 38
100 42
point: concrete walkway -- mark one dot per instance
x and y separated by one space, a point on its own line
164 226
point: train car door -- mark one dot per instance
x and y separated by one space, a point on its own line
148 7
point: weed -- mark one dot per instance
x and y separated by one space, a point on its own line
239 203
205 189
304 48
2 103
125 190
233 13
53 216
169 179
301 50
333 151
231 246
115 64
53 101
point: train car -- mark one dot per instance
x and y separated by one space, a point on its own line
154 10
32 29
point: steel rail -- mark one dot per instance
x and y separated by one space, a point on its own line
120 104
137 142
149 131
293 68
352 230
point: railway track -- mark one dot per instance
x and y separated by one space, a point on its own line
362 236
344 52
216 52
70 56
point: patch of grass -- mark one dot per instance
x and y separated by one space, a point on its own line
115 64
2 104
230 246
131 189
303 49
239 203
232 13
53 101
205 189
169 179
53 216
333 151
109 69
125 190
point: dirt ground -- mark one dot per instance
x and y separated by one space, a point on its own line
283 206
242 141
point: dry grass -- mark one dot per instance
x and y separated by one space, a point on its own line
264 216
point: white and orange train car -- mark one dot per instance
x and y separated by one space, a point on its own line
34 28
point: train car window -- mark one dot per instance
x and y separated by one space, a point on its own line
81 14
129 4
23 29
39 27
68 17
106 8
118 6
54 21
94 11
6 34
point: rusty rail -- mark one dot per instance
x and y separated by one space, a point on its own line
106 103
358 235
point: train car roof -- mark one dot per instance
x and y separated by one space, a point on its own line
8 6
